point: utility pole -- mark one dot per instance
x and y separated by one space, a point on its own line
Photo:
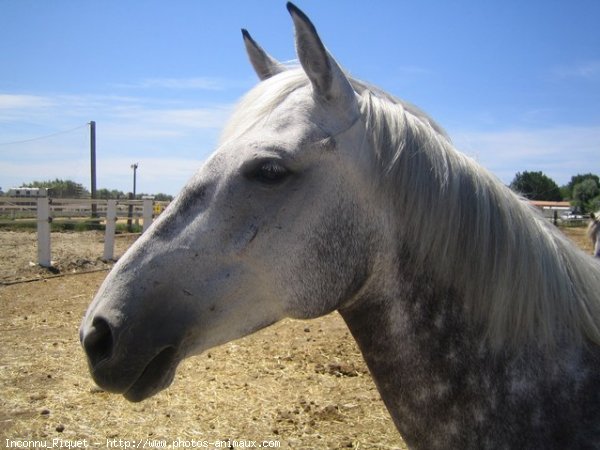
93 165
130 212
134 167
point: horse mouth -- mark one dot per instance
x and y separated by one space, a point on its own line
157 375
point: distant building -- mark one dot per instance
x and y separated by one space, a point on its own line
552 210
28 192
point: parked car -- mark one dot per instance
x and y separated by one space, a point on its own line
572 215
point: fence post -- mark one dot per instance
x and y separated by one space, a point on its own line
109 230
43 231
130 214
147 213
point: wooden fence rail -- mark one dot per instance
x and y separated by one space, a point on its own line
44 210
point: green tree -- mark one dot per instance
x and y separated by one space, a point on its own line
585 193
594 204
61 188
163 197
536 186
575 180
70 189
110 194
158 197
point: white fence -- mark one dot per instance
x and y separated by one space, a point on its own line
107 212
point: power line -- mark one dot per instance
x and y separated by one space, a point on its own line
45 136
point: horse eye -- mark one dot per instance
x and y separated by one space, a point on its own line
270 172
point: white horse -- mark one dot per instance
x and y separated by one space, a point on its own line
593 232
479 322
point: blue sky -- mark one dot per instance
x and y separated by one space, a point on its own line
515 83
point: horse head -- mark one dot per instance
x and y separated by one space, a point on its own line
272 226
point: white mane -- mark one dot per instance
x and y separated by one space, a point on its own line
520 277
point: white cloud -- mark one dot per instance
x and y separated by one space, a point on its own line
129 129
588 70
154 174
15 108
16 101
14 173
560 152
185 117
197 83
124 118
170 139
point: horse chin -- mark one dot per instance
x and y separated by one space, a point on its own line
157 375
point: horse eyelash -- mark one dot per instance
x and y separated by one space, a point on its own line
269 172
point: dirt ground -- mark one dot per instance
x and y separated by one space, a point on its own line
71 252
302 384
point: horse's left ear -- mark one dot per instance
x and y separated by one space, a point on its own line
264 64
327 78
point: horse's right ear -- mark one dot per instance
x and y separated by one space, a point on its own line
264 65
328 80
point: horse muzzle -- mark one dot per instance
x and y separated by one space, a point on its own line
120 369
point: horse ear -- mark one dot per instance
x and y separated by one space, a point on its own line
326 76
264 65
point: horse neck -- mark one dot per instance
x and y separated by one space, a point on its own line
442 384
469 287
407 336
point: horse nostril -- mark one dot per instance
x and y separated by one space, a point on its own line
98 342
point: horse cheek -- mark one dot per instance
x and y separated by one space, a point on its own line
334 264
